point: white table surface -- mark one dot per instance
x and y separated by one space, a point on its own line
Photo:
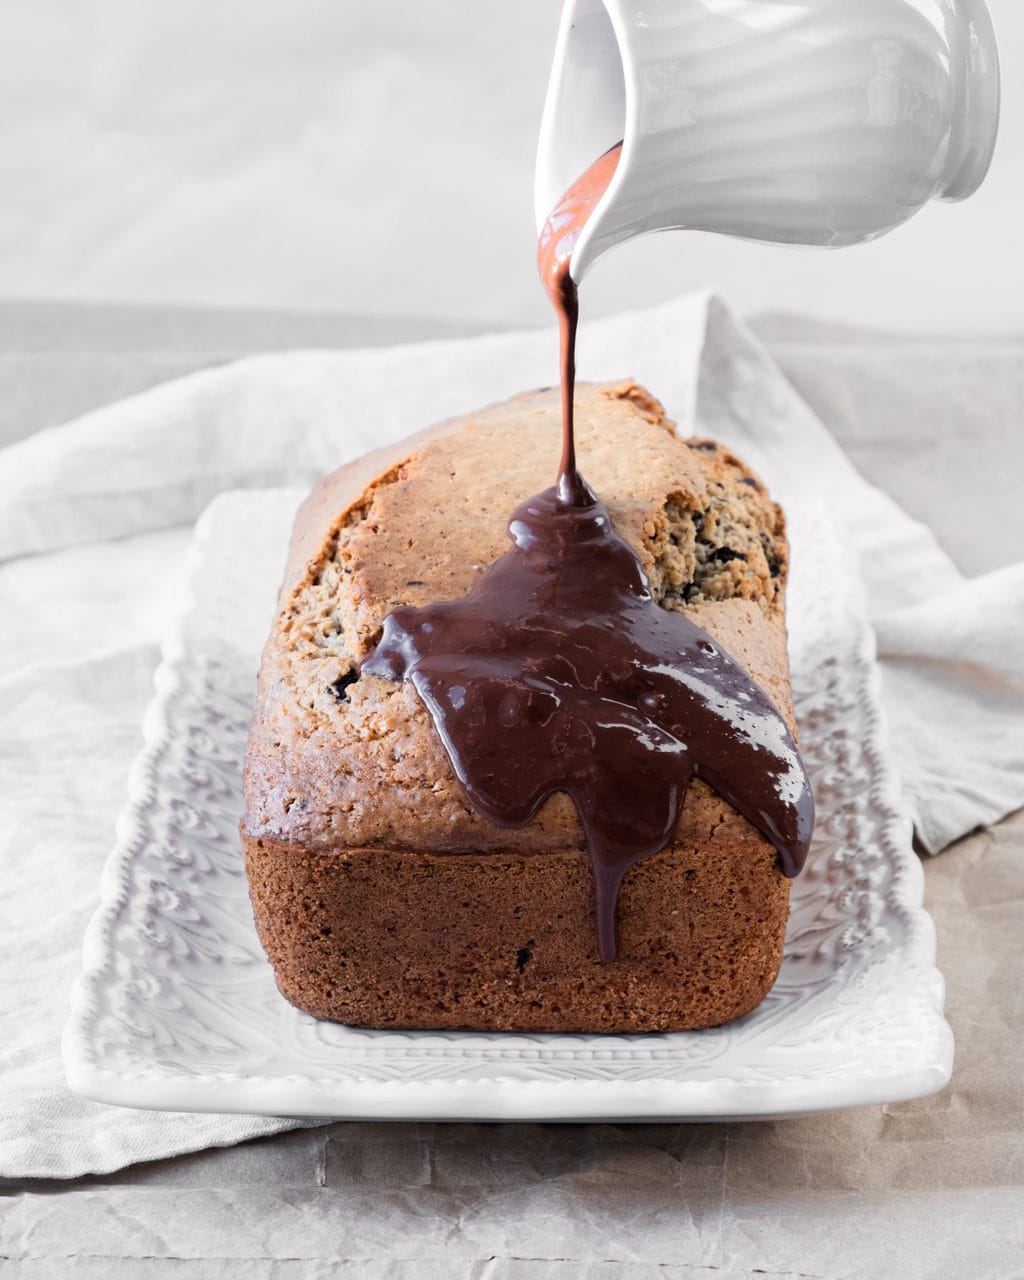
929 1188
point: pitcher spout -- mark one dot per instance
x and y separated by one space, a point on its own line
585 114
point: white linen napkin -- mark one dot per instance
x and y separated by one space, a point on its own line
951 648
94 523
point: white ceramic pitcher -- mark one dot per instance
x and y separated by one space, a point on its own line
822 122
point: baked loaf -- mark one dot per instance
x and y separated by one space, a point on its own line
382 899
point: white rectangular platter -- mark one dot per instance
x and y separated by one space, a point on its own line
176 1007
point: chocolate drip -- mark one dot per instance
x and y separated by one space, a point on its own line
559 672
554 259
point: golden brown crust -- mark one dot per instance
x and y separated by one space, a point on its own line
347 784
505 941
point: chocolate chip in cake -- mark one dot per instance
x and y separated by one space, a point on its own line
339 687
724 554
773 560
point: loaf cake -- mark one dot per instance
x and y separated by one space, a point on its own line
382 898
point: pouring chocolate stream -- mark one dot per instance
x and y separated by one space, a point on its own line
554 261
560 672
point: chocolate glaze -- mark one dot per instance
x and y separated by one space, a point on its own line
559 671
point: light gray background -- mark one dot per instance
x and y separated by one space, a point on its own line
377 159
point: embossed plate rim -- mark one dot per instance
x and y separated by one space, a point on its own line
127 1060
